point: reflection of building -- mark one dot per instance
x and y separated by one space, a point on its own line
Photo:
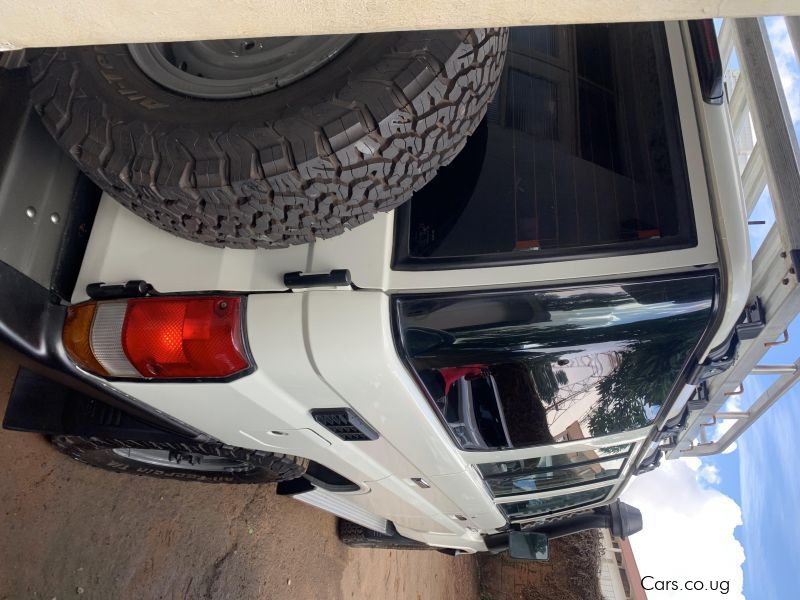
619 576
574 399
573 432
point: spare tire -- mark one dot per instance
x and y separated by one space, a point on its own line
272 142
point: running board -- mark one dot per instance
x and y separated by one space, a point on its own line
340 506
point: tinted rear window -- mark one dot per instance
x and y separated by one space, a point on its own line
540 506
580 153
556 364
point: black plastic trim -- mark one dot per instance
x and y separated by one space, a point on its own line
707 59
329 480
301 485
78 226
336 278
135 288
621 519
350 419
32 324
41 405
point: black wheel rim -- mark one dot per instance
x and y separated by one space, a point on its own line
226 69
184 461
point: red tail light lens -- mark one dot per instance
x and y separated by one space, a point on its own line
184 337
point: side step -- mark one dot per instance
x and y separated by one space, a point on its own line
337 503
356 536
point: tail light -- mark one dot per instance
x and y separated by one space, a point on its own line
164 337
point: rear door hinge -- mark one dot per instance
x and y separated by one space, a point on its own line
130 289
338 278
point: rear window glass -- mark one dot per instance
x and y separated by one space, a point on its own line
554 472
541 506
580 153
524 368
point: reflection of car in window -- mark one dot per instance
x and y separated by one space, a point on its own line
468 399
567 363
539 506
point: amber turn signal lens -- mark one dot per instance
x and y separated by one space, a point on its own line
159 338
77 337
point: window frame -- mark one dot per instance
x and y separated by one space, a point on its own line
625 456
589 488
373 269
402 261
637 438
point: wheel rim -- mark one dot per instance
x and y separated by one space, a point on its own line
225 69
187 461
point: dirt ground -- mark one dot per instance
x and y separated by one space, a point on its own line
68 530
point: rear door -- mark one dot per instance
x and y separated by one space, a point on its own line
551 392
587 164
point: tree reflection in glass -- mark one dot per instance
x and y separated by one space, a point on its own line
559 364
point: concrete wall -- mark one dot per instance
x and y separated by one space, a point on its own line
32 23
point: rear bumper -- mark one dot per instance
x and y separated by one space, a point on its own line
47 209
314 350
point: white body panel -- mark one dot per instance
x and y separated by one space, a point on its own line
728 204
333 349
311 367
123 247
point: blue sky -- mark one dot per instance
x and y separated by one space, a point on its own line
733 516
763 476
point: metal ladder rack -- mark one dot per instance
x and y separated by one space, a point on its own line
774 162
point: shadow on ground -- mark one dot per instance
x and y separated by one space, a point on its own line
69 530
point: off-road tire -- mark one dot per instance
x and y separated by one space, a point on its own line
307 161
262 467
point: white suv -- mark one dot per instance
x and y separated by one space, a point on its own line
503 352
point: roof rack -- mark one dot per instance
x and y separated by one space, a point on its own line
758 96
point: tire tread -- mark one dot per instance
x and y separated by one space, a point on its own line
312 175
273 466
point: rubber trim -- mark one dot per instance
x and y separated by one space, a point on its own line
32 324
39 404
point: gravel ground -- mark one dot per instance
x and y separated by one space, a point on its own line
70 531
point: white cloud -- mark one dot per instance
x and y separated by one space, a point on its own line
688 529
731 448
709 474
